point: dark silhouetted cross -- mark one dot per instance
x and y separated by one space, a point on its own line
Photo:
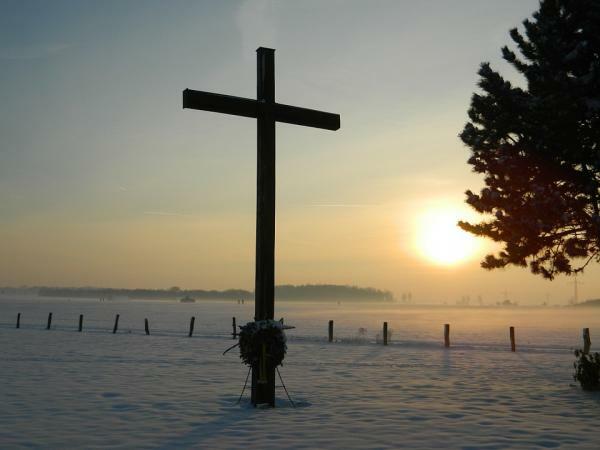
267 112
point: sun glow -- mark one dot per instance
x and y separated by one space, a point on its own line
441 241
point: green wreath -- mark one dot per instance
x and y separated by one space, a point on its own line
268 332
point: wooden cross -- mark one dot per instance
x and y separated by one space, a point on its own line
267 112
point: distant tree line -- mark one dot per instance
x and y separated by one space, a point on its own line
591 302
283 292
172 293
330 291
21 290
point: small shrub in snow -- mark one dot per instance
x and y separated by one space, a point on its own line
587 370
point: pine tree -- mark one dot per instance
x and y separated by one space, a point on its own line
539 147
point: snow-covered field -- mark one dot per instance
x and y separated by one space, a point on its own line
64 389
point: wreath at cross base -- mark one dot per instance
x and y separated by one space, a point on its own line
268 332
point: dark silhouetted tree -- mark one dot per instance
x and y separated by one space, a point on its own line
539 147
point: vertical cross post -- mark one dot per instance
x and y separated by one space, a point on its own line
265 194
264 288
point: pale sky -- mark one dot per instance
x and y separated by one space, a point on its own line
106 181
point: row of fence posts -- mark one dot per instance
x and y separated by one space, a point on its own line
587 343
116 325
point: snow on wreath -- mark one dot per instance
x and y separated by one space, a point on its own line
267 333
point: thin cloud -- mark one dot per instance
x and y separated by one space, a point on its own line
34 51
344 205
165 213
256 24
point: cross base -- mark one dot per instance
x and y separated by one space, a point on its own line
263 390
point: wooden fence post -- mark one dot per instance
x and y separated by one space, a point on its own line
234 328
331 331
116 324
49 321
385 334
513 347
447 335
80 322
19 320
587 343
146 327
192 320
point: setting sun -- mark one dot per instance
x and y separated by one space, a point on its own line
441 241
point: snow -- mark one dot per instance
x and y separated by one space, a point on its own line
64 389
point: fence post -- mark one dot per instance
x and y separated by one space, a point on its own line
331 331
385 334
146 327
192 320
19 320
513 347
447 335
80 322
116 324
587 343
234 328
49 321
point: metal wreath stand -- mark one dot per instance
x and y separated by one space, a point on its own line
263 342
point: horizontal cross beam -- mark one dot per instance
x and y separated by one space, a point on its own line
226 104
245 107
